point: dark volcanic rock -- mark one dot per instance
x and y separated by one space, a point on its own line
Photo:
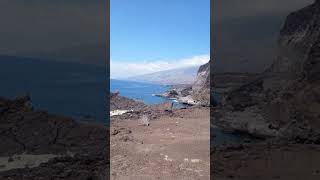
118 102
33 132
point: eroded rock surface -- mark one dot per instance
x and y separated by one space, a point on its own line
201 86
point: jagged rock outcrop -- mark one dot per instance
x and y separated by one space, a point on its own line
286 96
197 93
201 86
118 102
295 102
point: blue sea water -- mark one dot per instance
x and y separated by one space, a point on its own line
139 91
68 89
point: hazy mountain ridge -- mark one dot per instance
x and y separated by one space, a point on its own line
169 77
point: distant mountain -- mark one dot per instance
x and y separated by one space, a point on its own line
169 77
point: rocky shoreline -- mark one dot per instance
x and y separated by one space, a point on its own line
196 94
179 95
135 109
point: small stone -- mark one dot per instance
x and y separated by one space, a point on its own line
115 132
126 138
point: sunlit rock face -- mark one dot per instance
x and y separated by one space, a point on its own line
201 86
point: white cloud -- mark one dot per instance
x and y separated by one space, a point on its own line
122 69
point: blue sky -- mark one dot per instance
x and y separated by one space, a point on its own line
154 35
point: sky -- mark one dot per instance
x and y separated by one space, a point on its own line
153 35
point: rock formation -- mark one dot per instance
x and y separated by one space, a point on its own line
118 102
201 87
284 100
197 93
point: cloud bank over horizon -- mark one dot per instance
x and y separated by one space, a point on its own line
123 69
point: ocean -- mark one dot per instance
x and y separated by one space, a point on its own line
142 91
139 91
68 89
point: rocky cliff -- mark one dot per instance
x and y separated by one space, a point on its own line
201 86
296 99
284 100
